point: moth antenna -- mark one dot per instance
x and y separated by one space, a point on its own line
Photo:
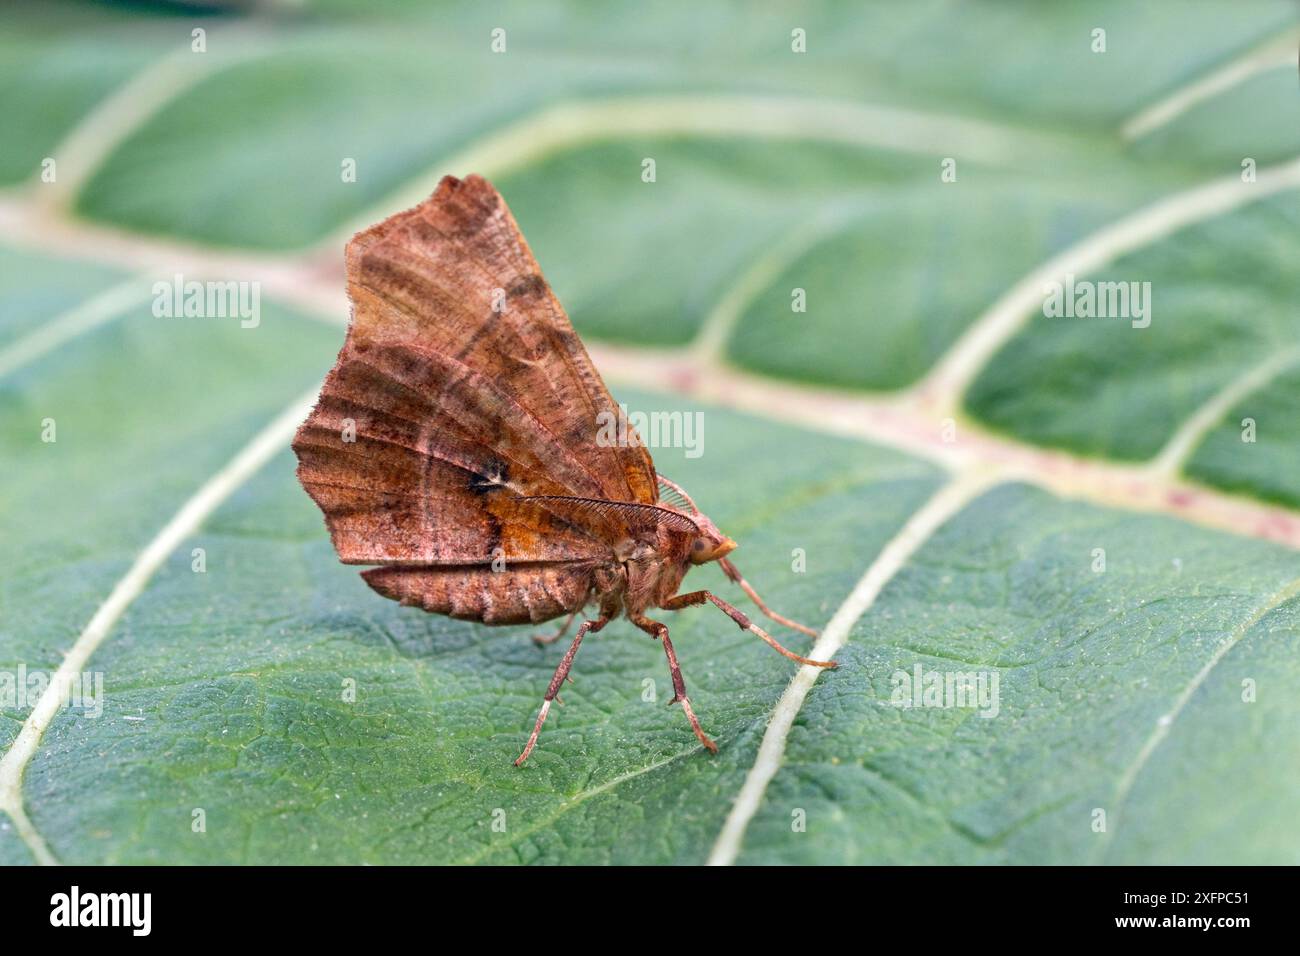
679 491
605 507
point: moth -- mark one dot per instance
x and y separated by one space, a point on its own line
455 447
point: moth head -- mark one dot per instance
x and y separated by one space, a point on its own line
710 544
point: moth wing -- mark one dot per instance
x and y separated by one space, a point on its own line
461 388
414 458
455 275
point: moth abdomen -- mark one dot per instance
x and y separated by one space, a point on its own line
523 594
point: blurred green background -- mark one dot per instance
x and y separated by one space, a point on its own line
774 169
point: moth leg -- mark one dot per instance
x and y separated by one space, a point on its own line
561 673
734 574
742 619
541 640
655 629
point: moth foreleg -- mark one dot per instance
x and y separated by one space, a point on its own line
543 639
741 619
734 574
655 629
557 680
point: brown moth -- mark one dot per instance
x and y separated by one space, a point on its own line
455 446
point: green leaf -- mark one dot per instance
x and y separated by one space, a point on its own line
1268 469
239 676
921 463
58 61
1113 682
1223 299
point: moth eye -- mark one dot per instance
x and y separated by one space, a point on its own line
698 545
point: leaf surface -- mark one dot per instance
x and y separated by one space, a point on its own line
1144 646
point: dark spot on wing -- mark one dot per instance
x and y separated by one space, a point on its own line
531 285
496 474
